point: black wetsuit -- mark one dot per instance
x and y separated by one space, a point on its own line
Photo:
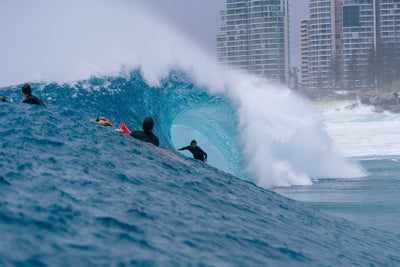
197 152
33 100
146 137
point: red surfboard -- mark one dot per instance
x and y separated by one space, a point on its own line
124 129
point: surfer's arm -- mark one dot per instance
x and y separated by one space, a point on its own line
183 148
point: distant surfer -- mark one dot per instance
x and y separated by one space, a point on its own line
197 152
28 97
103 120
147 134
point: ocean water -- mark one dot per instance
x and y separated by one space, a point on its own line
74 193
371 139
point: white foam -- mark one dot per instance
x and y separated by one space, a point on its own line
360 132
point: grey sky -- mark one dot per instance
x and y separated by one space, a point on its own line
200 20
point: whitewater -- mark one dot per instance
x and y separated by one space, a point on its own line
372 140
75 193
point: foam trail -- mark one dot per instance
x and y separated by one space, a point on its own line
282 140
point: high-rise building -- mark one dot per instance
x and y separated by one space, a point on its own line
321 42
304 52
358 38
254 36
344 38
389 21
221 39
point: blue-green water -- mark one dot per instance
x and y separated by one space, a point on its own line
76 193
372 200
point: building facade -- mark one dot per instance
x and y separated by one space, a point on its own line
222 39
358 39
389 21
345 38
304 52
321 42
254 36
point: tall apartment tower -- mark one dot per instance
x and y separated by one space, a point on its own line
358 39
254 36
343 36
389 21
304 52
321 42
221 39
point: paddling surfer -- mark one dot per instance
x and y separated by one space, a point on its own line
102 121
147 134
26 91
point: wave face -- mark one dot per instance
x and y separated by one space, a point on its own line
80 193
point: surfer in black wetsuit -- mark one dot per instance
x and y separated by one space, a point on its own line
197 152
147 134
28 97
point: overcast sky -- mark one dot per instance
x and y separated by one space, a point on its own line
199 19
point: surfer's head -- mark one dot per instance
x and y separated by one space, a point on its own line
148 124
26 90
193 143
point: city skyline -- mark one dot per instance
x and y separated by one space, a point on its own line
188 17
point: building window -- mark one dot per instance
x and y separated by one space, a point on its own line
351 16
